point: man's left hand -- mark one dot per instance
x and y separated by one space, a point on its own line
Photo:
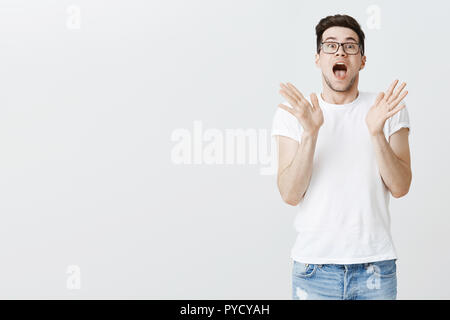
386 105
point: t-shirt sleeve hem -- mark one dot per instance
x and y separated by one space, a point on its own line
285 134
400 125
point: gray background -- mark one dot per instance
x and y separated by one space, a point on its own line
86 121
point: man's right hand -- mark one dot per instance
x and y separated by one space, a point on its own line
309 116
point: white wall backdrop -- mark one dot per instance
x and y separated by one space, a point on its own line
136 160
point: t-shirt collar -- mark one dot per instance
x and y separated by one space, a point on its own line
339 106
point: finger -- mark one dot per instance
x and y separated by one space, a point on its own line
314 101
394 111
394 103
297 92
292 100
379 98
292 92
390 90
282 106
289 91
397 92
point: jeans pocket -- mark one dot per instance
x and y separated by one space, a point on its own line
385 268
304 270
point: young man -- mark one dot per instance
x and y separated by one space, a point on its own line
340 155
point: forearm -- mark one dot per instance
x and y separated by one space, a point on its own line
294 180
395 173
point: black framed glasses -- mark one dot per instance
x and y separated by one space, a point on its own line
331 47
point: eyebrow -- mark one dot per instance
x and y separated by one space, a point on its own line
333 38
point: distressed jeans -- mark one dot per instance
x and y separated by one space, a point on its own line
364 281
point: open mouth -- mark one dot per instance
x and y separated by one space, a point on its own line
340 70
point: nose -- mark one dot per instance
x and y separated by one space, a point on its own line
341 51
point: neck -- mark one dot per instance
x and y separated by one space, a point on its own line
340 97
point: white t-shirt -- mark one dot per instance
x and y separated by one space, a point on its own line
344 216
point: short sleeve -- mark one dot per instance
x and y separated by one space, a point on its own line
286 124
399 120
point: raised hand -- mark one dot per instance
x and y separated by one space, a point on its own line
386 105
309 116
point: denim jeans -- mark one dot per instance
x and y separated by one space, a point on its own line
365 281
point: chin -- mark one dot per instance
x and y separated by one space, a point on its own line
339 85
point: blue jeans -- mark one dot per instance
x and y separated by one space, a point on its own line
365 281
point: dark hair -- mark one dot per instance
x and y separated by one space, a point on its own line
339 20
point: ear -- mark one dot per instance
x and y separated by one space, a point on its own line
317 59
363 62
